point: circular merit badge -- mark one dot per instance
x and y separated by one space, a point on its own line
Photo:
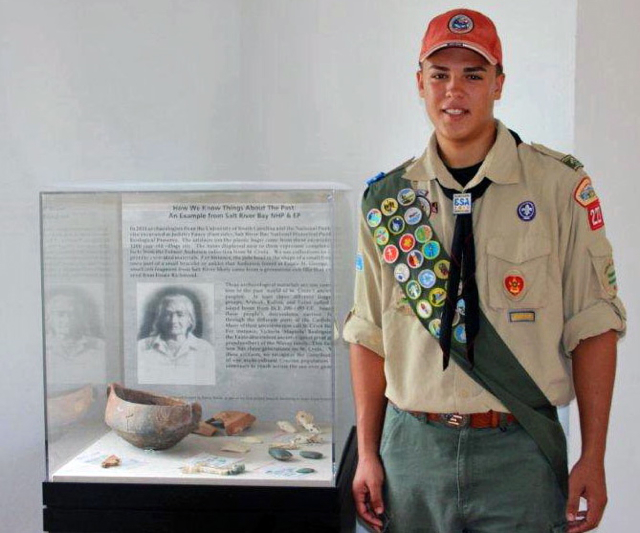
401 272
442 268
426 205
413 215
407 242
423 234
390 253
381 235
460 333
427 278
396 225
406 197
431 250
389 206
413 289
415 259
434 328
374 217
424 309
460 307
437 297
527 211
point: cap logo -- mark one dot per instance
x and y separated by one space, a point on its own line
460 24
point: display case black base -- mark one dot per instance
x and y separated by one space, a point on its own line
127 507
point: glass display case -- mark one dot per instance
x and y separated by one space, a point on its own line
191 337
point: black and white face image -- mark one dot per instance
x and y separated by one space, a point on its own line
176 317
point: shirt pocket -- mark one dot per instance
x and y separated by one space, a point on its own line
518 272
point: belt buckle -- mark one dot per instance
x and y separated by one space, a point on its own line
456 420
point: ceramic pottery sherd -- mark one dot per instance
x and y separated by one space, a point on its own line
235 421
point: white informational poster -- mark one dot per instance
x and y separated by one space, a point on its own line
227 298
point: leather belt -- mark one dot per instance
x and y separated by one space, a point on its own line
489 419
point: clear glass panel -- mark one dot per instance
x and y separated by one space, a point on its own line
228 299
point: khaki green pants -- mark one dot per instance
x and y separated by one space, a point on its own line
441 479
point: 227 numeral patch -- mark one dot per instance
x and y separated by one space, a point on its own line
595 216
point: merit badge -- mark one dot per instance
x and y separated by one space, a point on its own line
427 278
437 297
610 283
359 263
374 217
423 234
594 212
434 327
389 206
401 272
585 193
396 225
462 203
413 215
390 253
527 211
406 197
407 242
441 269
522 316
460 24
514 284
424 309
426 205
460 333
422 192
413 289
381 235
415 259
431 250
461 307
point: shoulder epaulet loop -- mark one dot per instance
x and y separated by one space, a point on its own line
567 159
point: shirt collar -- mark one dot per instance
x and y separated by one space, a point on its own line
501 164
161 345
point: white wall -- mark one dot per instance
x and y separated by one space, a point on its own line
607 139
170 91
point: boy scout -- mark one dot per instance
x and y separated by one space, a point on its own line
485 296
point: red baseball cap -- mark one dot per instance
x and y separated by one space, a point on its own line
465 28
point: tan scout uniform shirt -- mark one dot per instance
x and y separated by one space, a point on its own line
569 291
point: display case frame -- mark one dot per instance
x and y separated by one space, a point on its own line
95 243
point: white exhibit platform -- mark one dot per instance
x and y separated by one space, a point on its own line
148 466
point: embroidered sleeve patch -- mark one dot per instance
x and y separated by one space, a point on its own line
586 196
608 279
594 212
585 193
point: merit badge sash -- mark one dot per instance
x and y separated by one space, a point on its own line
398 217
